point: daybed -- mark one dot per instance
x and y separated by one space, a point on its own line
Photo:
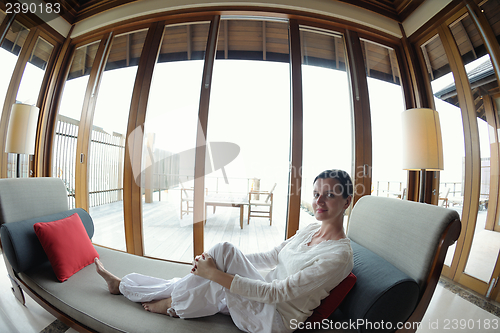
399 248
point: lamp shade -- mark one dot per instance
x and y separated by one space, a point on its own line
422 143
21 133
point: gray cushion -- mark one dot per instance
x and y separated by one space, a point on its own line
405 233
21 245
26 198
381 292
85 297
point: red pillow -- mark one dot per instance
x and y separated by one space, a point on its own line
331 302
66 244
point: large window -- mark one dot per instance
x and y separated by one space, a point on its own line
249 136
170 141
483 83
9 53
107 141
327 138
450 116
28 93
68 119
384 84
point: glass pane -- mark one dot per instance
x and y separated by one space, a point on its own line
327 111
28 92
107 145
169 143
249 136
388 176
450 117
34 72
68 118
9 51
483 83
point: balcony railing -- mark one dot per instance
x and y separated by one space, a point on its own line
64 154
106 159
106 156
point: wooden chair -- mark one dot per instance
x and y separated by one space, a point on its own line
187 200
261 208
443 197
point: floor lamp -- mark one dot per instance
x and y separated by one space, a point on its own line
422 143
21 132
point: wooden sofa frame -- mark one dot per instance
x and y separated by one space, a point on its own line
448 237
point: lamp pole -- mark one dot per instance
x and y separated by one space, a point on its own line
18 166
422 185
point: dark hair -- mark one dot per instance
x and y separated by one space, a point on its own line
343 178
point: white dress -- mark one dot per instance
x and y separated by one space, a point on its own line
302 276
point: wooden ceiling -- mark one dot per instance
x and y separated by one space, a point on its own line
77 10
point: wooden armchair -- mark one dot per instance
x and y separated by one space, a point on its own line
187 199
258 207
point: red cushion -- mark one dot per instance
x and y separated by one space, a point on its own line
331 302
66 244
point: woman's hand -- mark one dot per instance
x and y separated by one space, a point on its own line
204 266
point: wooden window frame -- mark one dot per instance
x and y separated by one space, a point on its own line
156 23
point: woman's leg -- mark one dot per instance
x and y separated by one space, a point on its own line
248 316
193 296
198 297
112 280
136 287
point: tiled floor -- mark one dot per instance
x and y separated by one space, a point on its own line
448 312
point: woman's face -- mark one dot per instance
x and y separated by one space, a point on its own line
328 202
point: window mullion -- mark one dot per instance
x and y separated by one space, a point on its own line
199 170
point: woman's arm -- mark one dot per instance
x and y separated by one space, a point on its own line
205 267
323 274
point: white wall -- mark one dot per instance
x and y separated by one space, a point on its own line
325 7
332 8
422 14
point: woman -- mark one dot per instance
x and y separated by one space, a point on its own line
305 268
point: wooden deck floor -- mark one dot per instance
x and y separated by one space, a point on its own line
167 236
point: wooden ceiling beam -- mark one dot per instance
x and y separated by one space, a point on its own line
427 62
407 8
264 48
392 65
78 10
469 42
367 58
128 50
226 39
188 41
379 7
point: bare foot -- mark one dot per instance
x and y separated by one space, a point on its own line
112 281
161 306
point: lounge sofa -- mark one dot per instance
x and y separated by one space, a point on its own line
399 249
